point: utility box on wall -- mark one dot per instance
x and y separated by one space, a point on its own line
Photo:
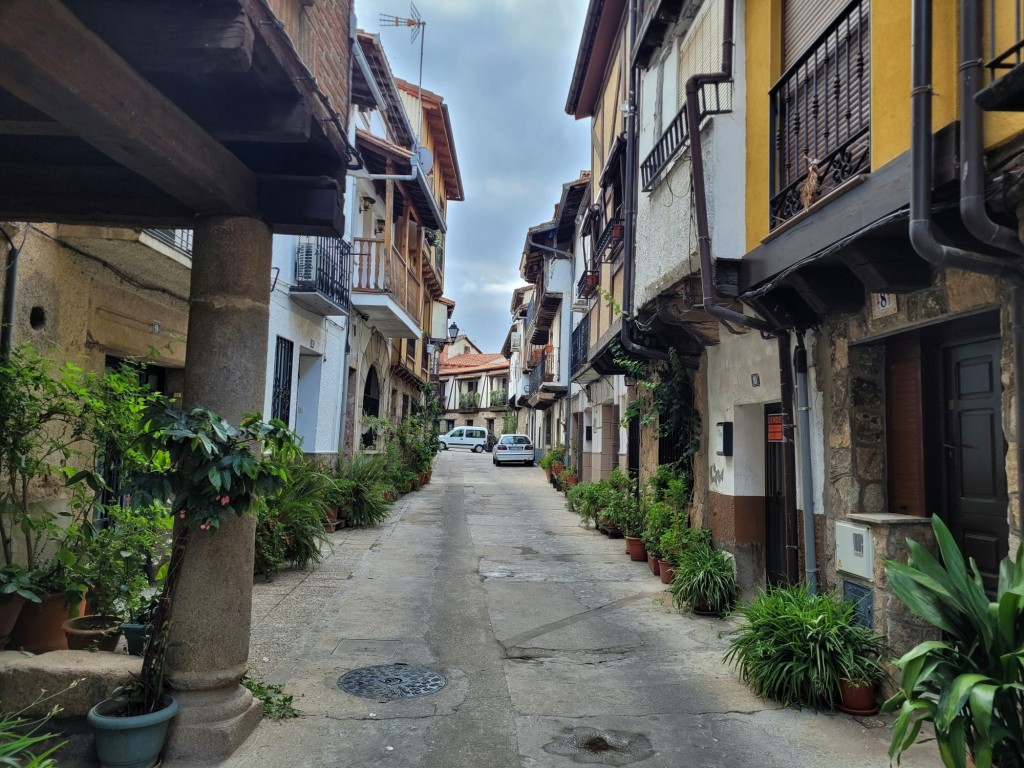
854 553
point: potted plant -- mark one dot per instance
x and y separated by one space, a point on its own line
625 511
551 462
659 518
969 684
705 580
797 648
16 587
567 479
209 471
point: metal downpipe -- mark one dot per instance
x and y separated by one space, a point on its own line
922 230
629 211
10 295
806 477
972 162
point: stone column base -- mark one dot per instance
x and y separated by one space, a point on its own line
211 725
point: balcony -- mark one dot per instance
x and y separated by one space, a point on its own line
381 284
153 256
322 270
1005 57
588 283
821 117
715 99
543 381
540 315
580 345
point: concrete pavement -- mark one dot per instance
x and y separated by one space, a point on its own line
554 645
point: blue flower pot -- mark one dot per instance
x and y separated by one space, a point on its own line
130 742
135 636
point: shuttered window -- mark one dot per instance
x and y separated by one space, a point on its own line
905 426
700 52
802 22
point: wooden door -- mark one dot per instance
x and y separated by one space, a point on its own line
774 498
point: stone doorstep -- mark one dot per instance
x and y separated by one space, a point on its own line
23 679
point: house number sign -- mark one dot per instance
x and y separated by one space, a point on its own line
883 305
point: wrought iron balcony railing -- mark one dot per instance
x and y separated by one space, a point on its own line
323 264
531 312
821 116
580 344
588 283
546 370
715 99
1005 40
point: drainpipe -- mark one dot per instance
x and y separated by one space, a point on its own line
788 455
10 293
711 306
806 478
629 212
972 164
922 230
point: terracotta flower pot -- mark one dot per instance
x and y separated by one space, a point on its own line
652 563
39 629
87 633
10 609
857 699
667 571
635 548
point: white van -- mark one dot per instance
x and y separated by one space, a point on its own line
474 438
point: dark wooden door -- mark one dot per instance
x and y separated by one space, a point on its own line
774 498
976 499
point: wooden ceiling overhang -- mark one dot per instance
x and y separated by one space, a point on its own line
376 152
150 113
439 125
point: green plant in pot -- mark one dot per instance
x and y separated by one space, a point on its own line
16 587
970 684
705 580
660 520
798 648
210 470
555 455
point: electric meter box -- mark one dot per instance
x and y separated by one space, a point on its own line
854 553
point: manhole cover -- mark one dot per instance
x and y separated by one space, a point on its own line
385 682
603 747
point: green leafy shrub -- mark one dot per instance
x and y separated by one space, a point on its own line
678 540
970 684
660 519
365 478
289 522
555 455
705 580
796 647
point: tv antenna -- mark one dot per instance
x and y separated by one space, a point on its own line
418 28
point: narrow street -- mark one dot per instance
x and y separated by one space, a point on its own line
548 637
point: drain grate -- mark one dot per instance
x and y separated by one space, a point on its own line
593 746
385 682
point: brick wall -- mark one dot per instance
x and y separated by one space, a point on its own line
319 30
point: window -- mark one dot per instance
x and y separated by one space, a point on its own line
281 397
371 405
701 51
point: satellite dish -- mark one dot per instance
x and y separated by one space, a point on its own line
424 160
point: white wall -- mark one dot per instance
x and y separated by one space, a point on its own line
316 406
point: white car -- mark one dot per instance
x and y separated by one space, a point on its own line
474 438
511 448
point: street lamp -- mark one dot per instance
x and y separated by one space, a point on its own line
453 332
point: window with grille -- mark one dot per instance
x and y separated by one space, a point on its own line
281 399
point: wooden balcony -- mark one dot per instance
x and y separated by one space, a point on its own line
385 289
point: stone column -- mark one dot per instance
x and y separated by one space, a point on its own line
225 371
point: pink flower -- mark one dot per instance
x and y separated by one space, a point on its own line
182 514
224 501
205 526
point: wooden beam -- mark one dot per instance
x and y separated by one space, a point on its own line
828 290
183 38
49 60
229 116
887 266
300 208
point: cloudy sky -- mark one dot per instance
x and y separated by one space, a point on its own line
503 67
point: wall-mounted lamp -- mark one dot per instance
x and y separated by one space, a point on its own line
755 380
723 438
366 203
378 227
453 332
155 327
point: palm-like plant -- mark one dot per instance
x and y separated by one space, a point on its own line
705 580
970 685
